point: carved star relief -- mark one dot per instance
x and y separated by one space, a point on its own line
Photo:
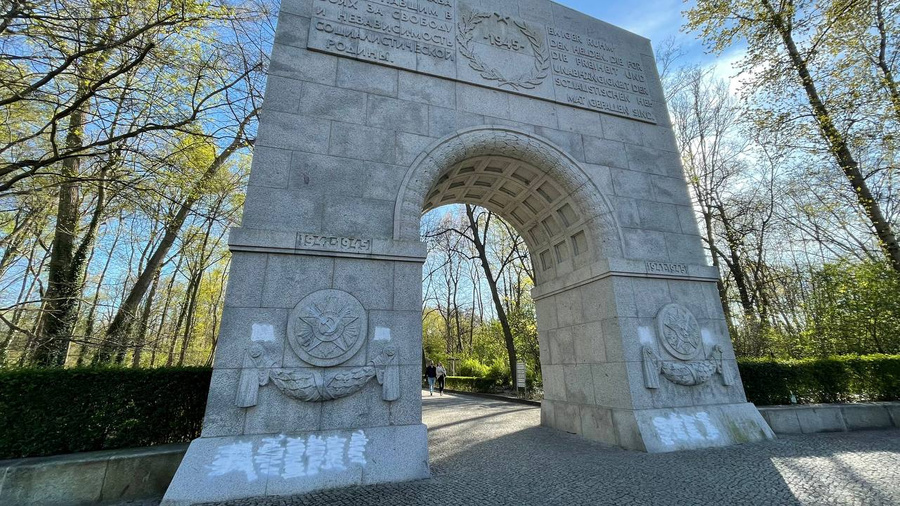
501 18
331 324
681 336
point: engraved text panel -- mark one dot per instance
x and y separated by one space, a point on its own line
441 38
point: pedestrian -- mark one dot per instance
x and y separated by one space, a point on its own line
441 377
431 376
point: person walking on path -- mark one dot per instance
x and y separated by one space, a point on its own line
441 377
431 376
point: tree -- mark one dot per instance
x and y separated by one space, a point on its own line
121 324
789 68
478 239
854 308
99 87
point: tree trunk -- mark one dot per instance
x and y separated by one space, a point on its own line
194 288
52 344
24 294
141 336
124 317
495 293
889 82
165 312
92 312
181 315
214 332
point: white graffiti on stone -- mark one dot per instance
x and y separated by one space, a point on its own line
334 453
270 456
289 457
261 332
315 455
382 334
356 452
294 465
676 429
234 458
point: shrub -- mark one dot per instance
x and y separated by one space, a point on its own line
55 411
499 372
825 380
471 367
469 384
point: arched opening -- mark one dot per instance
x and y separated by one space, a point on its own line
568 227
548 219
533 184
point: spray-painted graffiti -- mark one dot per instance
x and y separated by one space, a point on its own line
681 428
290 457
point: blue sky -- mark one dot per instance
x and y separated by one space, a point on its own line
657 20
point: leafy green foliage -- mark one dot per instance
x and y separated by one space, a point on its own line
498 372
469 384
56 411
472 368
824 380
854 308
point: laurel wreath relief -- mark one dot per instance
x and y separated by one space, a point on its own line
527 81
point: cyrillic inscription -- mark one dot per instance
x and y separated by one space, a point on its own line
486 48
331 243
393 32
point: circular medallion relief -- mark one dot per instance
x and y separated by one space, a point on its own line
327 328
679 332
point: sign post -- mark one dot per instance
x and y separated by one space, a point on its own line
520 379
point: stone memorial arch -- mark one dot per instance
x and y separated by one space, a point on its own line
379 110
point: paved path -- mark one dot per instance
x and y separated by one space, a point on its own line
495 453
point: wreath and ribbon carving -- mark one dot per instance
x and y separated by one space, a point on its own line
326 329
527 81
680 337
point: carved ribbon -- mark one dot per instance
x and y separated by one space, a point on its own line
317 385
692 373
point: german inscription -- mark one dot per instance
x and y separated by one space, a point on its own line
437 37
592 73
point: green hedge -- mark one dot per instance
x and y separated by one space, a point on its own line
469 384
839 379
56 411
772 382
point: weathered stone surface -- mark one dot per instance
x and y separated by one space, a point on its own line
866 416
142 473
512 461
552 119
673 429
824 419
75 479
221 469
103 477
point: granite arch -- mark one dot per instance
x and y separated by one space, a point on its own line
435 164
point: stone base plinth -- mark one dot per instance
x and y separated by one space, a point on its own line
226 468
660 430
674 429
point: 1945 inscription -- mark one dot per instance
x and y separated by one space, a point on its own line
436 37
331 243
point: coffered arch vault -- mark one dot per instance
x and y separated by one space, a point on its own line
564 218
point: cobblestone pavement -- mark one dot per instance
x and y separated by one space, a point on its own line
495 453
